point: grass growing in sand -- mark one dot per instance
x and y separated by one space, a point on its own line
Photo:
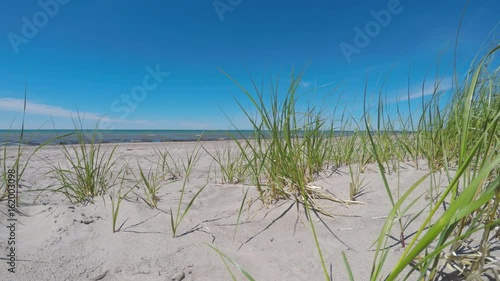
90 171
151 183
472 140
231 163
21 159
116 197
463 136
188 165
169 167
290 148
225 259
357 184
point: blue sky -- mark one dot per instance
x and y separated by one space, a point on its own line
98 57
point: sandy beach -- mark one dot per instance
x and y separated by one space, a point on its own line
250 140
57 240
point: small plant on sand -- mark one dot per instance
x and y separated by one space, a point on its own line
151 183
188 164
116 198
231 163
357 185
169 167
90 171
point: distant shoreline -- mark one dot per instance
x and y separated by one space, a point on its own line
39 137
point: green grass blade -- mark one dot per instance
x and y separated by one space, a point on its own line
348 267
243 271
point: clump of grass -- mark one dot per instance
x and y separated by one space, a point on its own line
288 148
231 163
169 167
191 158
152 184
90 170
357 185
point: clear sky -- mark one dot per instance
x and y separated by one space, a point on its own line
156 64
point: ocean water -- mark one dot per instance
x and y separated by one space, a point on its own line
37 137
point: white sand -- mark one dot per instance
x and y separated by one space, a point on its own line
272 242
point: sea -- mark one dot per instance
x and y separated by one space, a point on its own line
48 137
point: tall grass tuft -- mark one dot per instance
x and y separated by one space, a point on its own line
288 148
90 170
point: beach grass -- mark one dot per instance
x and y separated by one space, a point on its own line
357 184
225 258
90 170
288 148
116 197
151 183
177 215
22 157
169 167
461 139
230 161
462 136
